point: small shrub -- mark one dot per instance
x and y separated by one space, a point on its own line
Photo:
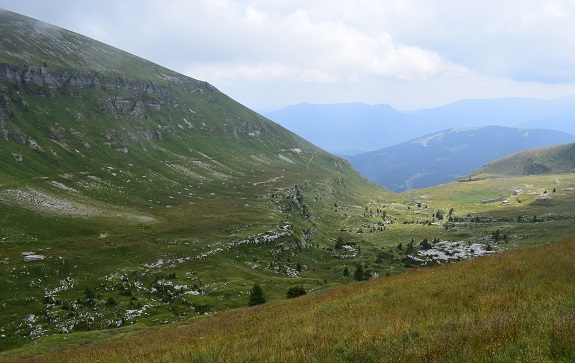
111 302
89 293
295 291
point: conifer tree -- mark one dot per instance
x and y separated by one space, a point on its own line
257 296
339 243
360 274
345 272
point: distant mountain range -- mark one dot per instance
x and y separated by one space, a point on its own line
353 128
347 128
447 155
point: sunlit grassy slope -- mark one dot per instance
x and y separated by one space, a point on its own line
546 160
506 307
514 307
152 198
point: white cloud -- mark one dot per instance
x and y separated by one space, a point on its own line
224 72
376 51
298 48
254 16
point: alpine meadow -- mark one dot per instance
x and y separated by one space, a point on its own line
145 216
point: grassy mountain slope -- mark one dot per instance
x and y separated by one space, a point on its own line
482 310
556 159
149 195
132 196
513 307
445 156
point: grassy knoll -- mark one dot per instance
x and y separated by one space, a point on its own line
517 306
545 160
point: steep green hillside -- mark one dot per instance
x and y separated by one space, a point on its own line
546 160
130 192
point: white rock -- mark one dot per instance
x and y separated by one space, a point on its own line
30 258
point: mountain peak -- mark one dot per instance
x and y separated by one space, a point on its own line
33 43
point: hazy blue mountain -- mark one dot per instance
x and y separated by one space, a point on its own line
349 129
447 155
564 122
511 111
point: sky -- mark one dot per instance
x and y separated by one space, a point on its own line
269 54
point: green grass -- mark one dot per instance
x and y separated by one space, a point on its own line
240 190
209 199
111 258
517 306
546 160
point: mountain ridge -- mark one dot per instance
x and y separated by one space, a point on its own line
340 128
555 159
75 50
375 129
445 156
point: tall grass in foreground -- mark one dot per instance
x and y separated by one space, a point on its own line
514 307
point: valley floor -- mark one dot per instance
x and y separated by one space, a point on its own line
67 281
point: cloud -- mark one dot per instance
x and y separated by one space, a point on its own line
354 50
254 16
336 41
525 40
226 40
299 48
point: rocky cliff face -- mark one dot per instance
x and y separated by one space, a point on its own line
43 77
56 60
167 107
144 93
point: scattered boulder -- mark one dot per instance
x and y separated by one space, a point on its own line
31 257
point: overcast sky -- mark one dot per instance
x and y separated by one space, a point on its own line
407 53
